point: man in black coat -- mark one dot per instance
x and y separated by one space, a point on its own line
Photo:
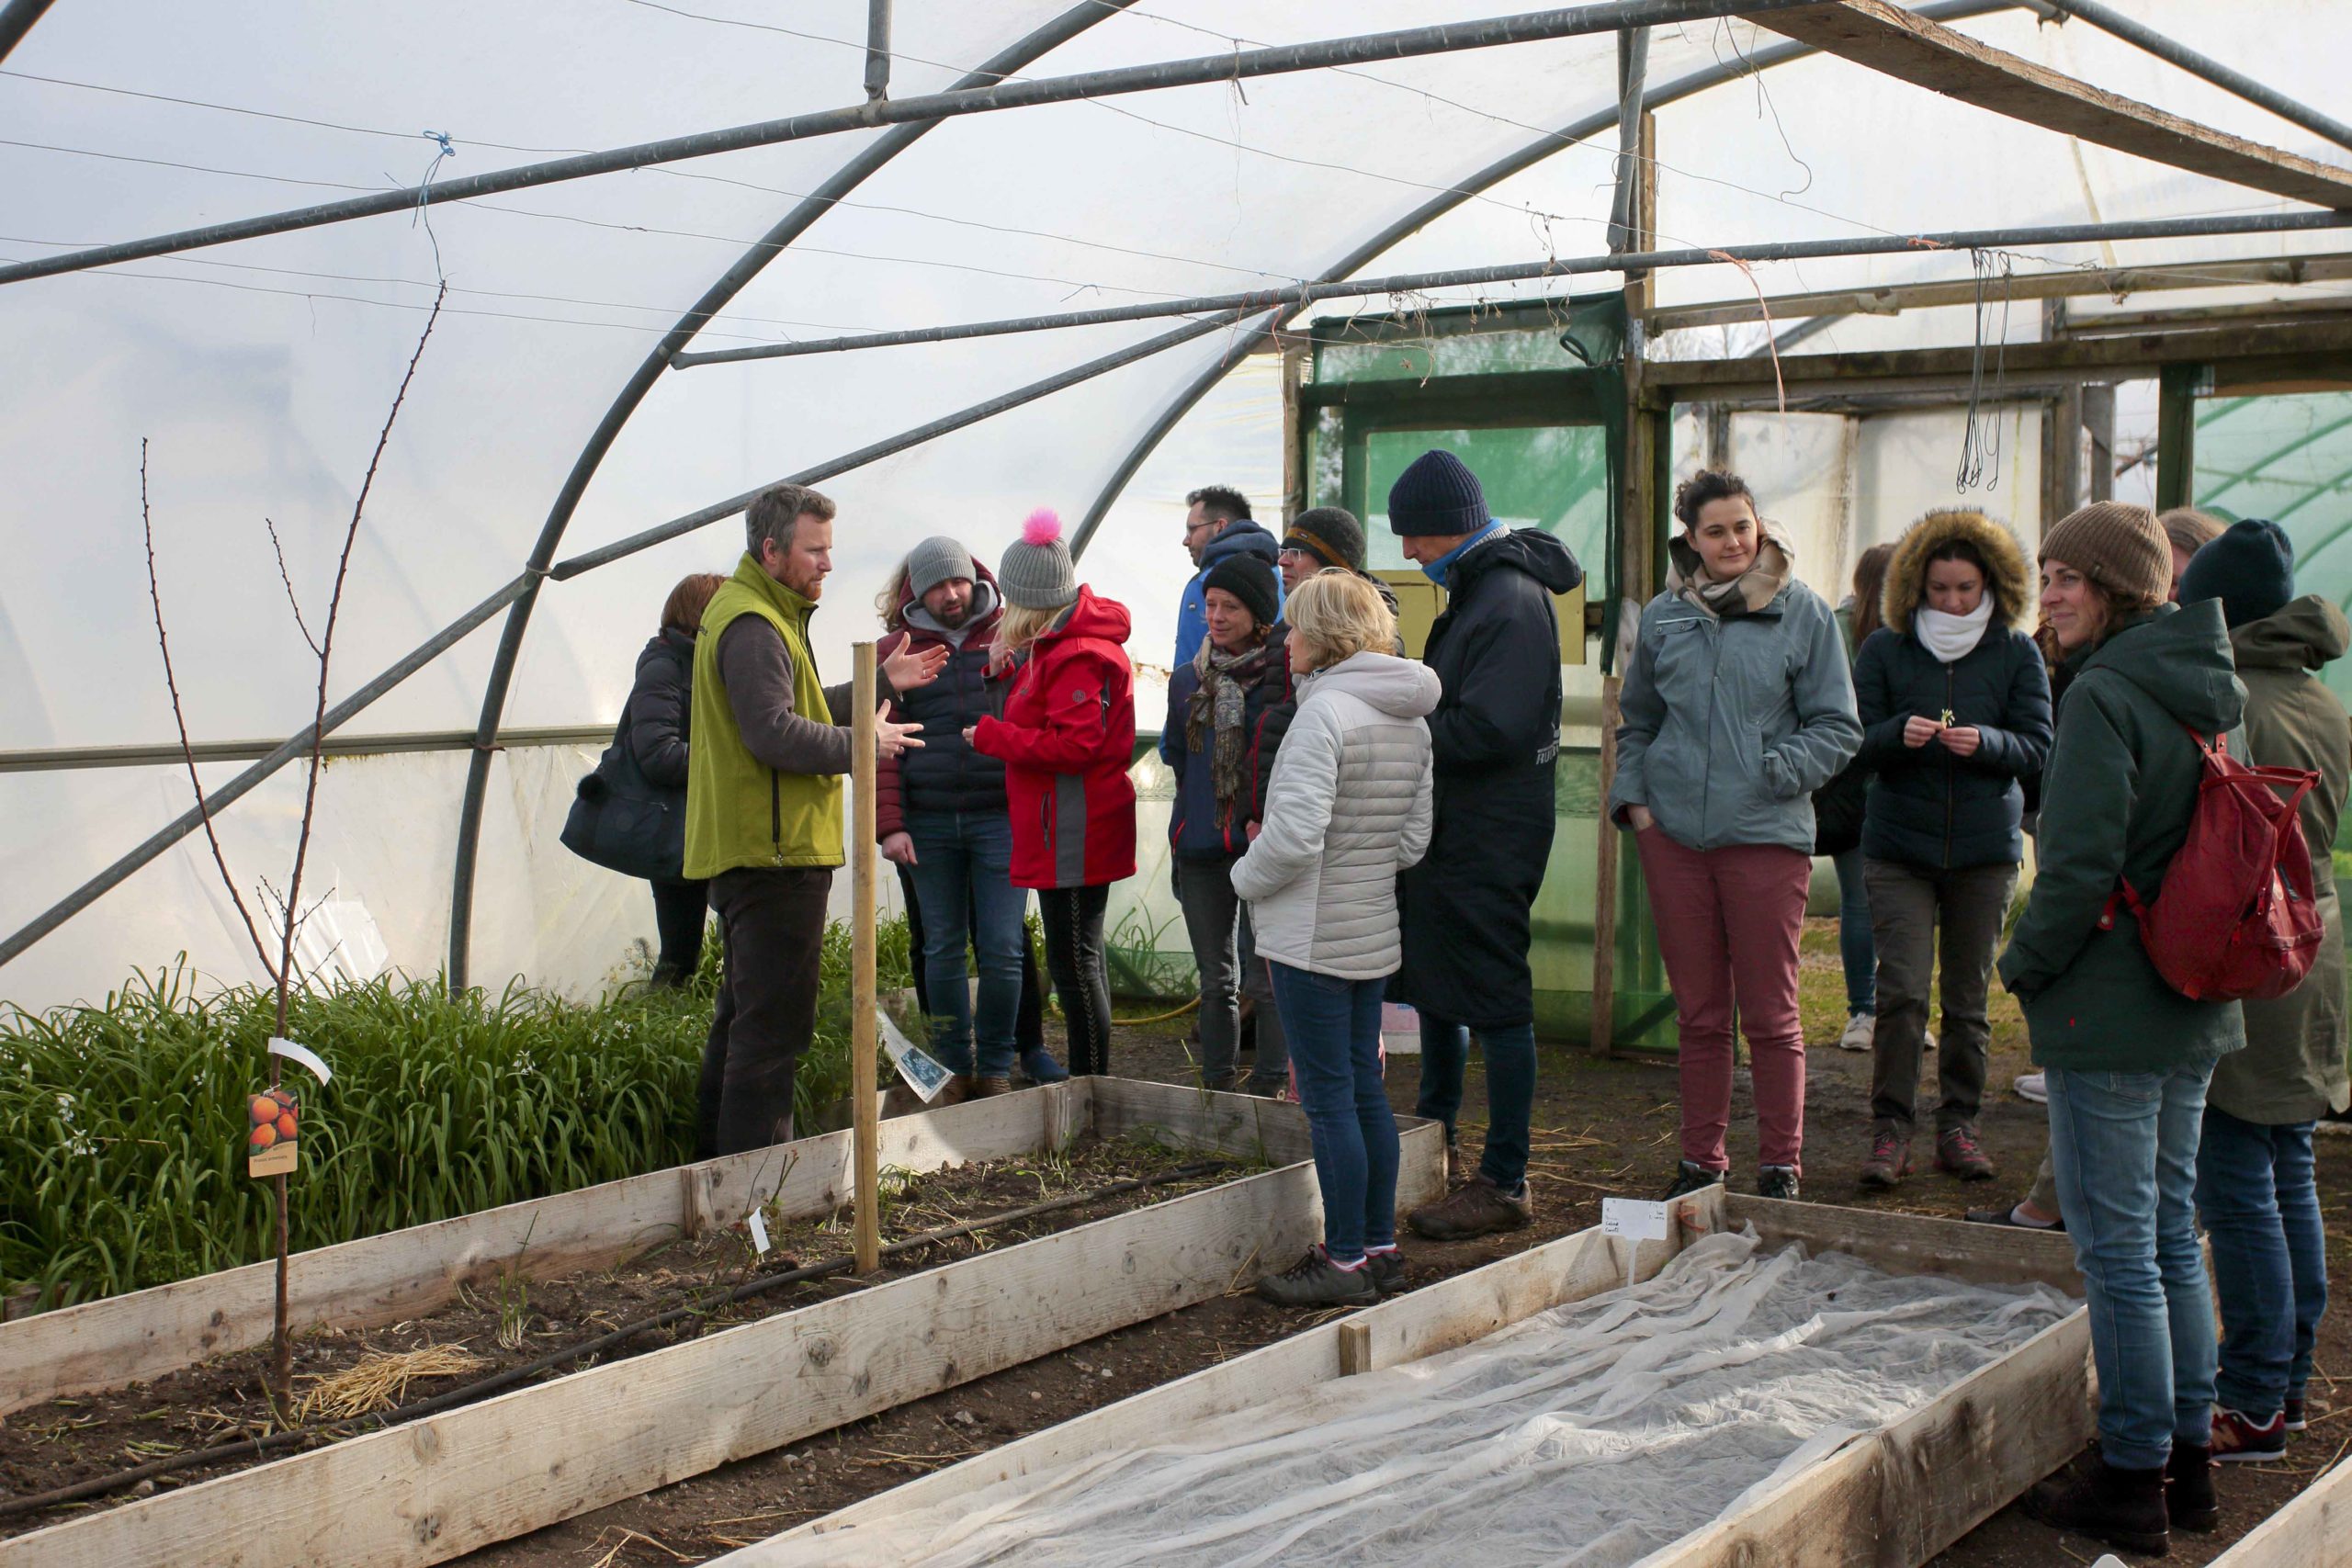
1496 735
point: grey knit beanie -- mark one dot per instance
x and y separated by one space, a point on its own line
2117 545
935 560
1037 572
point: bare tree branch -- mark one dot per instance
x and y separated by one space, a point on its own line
326 653
287 577
179 717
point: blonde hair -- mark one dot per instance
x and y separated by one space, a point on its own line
2190 530
887 604
1339 614
1021 626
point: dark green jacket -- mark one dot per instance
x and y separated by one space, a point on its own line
2293 1069
2116 801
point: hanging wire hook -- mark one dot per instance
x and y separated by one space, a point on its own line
449 149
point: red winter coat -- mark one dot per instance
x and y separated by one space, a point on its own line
1068 737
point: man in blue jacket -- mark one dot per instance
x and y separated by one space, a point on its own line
1217 526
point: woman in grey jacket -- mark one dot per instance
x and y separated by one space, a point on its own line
1348 808
1737 706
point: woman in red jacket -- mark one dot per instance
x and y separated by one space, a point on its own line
1067 738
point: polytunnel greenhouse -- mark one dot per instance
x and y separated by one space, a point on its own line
485 324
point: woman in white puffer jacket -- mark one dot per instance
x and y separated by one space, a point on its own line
1348 808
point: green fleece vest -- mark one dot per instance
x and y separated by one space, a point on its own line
739 811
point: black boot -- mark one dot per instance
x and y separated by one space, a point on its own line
2188 1489
2121 1507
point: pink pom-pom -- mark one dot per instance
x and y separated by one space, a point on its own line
1045 525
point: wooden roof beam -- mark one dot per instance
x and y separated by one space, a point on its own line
1901 44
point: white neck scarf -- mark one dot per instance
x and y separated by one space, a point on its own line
1953 637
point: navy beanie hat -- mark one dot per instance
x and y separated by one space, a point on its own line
2250 569
1438 494
1251 579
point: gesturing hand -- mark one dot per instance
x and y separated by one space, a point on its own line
1918 730
890 738
907 670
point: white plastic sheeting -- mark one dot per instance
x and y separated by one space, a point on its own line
261 371
1590 1435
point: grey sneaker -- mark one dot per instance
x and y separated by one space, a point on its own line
1316 1281
1476 1207
1691 1177
1388 1273
1777 1181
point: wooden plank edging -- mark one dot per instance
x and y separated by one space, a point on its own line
402 1274
436 1489
2315 1530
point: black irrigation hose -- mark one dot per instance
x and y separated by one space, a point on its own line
465 1393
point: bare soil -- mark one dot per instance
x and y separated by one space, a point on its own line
509 1323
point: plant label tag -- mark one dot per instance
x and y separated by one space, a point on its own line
273 1119
1635 1219
759 1223
922 1072
302 1054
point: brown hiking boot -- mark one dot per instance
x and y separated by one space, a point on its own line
988 1085
1958 1151
1890 1159
1476 1207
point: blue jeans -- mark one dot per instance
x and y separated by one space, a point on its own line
1511 1090
1333 1027
2260 1206
1855 949
2124 1146
964 863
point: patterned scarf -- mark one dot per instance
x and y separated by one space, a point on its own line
1220 703
1686 579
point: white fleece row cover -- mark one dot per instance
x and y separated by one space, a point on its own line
1592 1435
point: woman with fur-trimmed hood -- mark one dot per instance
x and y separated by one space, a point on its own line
1955 706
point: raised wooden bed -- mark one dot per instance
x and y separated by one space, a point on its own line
1896 1497
2313 1531
438 1488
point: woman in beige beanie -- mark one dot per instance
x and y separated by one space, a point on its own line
2127 1058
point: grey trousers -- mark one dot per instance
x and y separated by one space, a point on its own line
1230 969
1910 907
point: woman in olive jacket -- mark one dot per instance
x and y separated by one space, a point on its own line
2127 1058
1955 710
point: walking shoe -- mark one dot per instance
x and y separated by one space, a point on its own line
1476 1207
2120 1508
988 1085
2302 1411
1889 1161
1316 1281
1039 1067
1860 1028
1388 1267
1777 1181
1689 1177
1959 1153
1222 1083
2010 1216
2239 1438
2034 1086
2188 1489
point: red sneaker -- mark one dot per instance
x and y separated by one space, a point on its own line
1890 1159
2239 1438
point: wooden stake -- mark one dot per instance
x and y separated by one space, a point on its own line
865 1125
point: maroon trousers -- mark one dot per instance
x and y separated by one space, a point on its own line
1728 921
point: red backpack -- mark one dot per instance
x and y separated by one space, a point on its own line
2235 920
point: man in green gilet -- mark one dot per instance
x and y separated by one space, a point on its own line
764 809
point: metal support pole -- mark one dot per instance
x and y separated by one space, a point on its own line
1288 59
2142 36
2177 435
878 50
864 1113
16 20
1252 301
1632 75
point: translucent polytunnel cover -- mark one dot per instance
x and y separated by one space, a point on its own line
254 376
